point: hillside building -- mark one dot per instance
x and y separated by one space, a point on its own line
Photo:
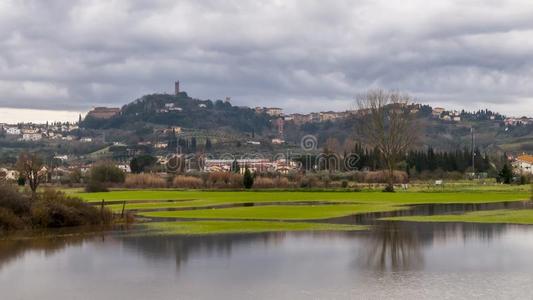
103 112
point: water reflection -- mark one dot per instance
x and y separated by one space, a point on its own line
393 260
182 248
390 247
13 249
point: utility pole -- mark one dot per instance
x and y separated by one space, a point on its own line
473 152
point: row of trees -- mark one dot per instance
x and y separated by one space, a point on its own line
428 160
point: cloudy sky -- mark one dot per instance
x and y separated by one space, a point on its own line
305 55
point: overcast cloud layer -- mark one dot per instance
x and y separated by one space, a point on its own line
299 55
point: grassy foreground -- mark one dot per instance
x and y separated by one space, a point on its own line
523 216
212 212
219 227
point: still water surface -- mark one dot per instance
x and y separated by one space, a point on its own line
394 260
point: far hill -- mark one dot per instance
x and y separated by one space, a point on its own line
184 111
444 130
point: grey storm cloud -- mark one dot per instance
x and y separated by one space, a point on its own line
299 55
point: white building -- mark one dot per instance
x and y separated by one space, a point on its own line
32 137
9 174
125 168
61 157
524 164
12 130
277 141
437 111
274 111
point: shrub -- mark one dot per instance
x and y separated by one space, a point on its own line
103 174
96 187
264 183
48 209
224 180
382 177
14 201
107 173
187 182
267 182
144 181
344 184
10 221
248 179
56 209
142 163
310 181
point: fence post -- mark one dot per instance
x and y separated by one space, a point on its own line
102 211
123 207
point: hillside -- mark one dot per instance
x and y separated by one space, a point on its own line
228 125
181 110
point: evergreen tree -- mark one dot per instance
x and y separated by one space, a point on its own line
248 179
193 145
235 168
506 174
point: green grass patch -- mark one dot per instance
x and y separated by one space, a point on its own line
225 227
276 212
206 198
523 216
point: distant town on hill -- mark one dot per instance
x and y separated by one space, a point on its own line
167 123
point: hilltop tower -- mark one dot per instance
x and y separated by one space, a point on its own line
177 87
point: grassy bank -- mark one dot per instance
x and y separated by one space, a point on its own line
224 227
276 212
524 216
203 198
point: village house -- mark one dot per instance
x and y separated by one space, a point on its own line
31 137
103 112
12 130
328 116
523 164
437 111
6 174
271 111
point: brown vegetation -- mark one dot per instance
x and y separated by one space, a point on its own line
144 181
48 209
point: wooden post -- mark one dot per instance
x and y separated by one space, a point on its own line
102 211
123 207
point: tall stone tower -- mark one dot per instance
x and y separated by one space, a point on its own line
177 87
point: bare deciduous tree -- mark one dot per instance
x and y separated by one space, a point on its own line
30 167
387 125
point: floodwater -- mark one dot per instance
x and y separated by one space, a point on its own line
391 261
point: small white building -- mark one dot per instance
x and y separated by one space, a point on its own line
12 130
124 167
277 141
437 111
9 174
32 137
61 157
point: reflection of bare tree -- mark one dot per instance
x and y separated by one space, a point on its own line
183 247
391 249
13 249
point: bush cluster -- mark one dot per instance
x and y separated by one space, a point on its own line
49 209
